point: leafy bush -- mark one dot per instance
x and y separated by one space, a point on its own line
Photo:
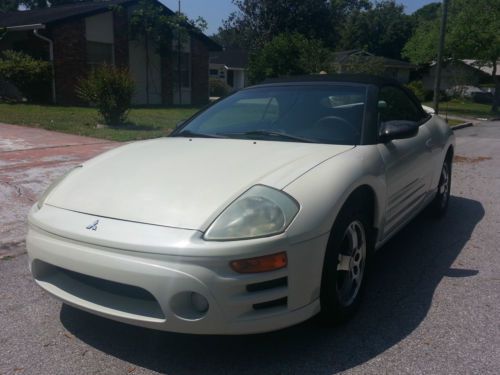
110 89
218 88
418 89
31 76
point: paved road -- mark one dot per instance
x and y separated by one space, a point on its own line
432 307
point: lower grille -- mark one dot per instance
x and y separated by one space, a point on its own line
270 304
109 294
276 283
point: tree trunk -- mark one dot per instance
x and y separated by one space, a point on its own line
496 96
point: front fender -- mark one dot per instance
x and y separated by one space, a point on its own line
323 191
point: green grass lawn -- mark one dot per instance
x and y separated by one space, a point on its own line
453 122
143 123
464 108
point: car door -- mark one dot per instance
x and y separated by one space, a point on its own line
407 162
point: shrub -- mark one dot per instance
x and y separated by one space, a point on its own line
31 76
418 89
218 88
110 89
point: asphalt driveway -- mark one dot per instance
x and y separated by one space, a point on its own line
432 306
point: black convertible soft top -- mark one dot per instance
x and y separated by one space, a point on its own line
351 78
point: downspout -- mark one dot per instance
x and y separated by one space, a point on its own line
51 58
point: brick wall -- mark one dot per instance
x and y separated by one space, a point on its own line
69 58
199 72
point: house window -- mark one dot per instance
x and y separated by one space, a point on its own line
185 71
214 72
99 53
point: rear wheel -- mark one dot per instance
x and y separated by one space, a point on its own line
345 265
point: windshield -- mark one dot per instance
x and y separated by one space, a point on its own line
303 113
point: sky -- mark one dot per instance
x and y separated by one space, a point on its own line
214 11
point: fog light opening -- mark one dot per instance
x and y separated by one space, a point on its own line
199 302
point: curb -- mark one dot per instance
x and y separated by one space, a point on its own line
462 126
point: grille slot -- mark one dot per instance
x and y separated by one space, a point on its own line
270 304
265 285
109 294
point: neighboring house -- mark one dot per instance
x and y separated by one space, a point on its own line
77 37
458 73
230 66
343 62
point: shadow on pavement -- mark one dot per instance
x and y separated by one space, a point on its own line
405 274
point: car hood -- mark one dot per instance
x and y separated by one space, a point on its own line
182 182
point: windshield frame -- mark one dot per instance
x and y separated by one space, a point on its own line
366 115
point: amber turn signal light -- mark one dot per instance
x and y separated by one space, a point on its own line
265 263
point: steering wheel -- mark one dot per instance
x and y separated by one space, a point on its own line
340 124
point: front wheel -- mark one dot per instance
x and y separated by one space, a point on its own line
345 266
439 204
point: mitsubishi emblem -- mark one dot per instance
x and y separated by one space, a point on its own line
93 226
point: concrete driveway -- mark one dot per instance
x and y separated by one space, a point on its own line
432 306
29 159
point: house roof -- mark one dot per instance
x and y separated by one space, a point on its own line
343 56
488 69
63 12
57 13
235 58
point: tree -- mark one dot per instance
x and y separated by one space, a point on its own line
9 5
429 12
35 4
38 4
382 30
289 54
340 12
257 21
473 32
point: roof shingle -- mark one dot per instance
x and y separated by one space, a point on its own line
58 13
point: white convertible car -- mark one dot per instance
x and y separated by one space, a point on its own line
255 214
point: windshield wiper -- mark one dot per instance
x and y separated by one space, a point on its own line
189 133
268 133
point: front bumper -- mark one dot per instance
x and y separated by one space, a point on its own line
153 290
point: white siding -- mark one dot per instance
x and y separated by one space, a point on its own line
137 60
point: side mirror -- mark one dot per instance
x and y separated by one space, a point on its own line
429 110
398 129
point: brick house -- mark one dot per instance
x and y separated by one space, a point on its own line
77 37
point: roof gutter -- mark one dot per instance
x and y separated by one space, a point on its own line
51 58
35 26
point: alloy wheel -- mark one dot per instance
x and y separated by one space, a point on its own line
351 263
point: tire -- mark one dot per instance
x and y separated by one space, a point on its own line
439 205
345 266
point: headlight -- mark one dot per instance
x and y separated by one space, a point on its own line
260 212
51 187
